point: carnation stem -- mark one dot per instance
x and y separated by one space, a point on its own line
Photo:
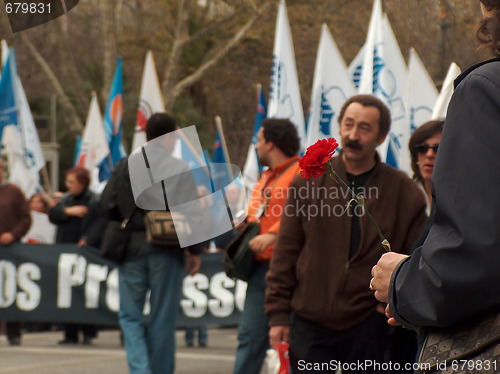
385 243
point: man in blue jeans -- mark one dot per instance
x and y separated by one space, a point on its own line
150 347
277 147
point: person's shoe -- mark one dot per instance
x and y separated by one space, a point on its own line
87 340
189 344
202 344
16 340
67 342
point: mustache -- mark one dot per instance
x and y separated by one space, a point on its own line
353 144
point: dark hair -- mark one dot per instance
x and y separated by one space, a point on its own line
160 124
488 30
283 133
420 135
82 175
384 122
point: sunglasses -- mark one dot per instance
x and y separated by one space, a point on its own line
424 148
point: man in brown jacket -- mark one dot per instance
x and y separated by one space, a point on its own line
318 296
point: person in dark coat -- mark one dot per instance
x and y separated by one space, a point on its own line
79 220
150 345
454 277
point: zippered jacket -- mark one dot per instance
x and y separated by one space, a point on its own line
311 273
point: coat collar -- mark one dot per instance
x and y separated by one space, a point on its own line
461 77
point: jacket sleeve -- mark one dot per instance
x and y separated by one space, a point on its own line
281 278
24 217
455 274
97 225
56 213
109 198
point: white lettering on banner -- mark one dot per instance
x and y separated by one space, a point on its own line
223 305
71 272
196 305
95 275
240 294
29 299
8 283
112 295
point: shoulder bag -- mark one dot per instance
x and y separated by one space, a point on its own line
160 228
239 259
115 239
473 347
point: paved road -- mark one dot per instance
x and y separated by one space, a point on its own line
40 354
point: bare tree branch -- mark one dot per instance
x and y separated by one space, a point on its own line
107 13
74 121
198 74
172 68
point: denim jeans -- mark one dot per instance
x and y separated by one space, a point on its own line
202 335
150 347
254 326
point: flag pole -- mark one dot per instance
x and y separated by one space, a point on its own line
193 150
46 182
218 124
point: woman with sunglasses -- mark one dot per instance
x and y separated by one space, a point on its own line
423 150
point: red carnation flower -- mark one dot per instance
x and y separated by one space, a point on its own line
313 163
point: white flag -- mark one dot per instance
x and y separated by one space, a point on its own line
422 93
22 143
19 174
444 97
33 150
332 86
284 98
384 74
356 67
150 100
94 146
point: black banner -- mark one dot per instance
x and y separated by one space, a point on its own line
63 283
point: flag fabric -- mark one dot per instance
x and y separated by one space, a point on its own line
9 111
94 144
219 155
441 106
34 158
332 86
252 168
113 124
220 168
150 100
384 74
21 142
356 67
77 150
284 99
422 93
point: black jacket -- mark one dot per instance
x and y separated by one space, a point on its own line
117 203
72 229
455 274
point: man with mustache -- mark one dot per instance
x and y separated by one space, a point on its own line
317 296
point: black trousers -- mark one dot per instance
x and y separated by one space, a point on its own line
360 349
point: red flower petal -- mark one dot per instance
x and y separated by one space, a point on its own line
312 164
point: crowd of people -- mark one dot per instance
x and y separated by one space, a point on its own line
322 281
